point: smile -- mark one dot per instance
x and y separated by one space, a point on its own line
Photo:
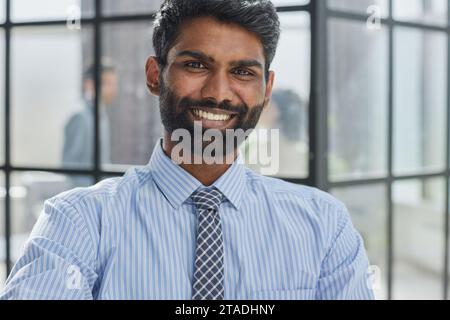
213 115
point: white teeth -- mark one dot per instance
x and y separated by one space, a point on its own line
211 116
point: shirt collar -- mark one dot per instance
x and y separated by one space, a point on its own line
177 185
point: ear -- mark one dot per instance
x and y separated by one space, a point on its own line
269 88
152 75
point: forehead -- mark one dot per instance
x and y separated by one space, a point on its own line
221 41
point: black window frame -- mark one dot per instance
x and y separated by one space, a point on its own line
324 13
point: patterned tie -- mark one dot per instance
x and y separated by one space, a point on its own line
208 275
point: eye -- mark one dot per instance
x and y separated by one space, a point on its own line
242 72
195 65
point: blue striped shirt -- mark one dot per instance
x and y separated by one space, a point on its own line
134 237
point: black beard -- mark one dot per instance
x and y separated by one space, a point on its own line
247 118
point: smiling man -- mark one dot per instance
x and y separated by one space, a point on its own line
198 230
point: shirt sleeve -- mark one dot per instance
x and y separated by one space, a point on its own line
344 272
58 260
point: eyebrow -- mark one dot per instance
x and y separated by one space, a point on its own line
237 63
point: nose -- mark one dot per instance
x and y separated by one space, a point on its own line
217 88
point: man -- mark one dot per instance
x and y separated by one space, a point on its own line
78 150
183 230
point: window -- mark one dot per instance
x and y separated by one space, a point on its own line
361 100
388 135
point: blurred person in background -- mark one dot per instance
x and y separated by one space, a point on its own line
287 113
78 150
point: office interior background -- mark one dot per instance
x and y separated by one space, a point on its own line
361 98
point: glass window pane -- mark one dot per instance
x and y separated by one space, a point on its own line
52 119
119 7
367 207
420 90
29 190
288 111
418 239
2 97
2 232
448 260
2 11
133 116
425 11
31 10
360 6
279 3
357 101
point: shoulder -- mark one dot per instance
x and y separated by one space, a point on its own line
284 190
309 207
87 204
84 215
314 214
81 116
299 201
77 120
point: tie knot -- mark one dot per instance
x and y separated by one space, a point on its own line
207 198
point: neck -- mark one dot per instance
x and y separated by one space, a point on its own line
207 174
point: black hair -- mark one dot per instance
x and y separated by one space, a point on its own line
291 109
106 65
257 16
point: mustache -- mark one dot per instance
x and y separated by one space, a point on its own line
187 103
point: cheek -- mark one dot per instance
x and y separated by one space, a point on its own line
261 92
252 94
184 86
